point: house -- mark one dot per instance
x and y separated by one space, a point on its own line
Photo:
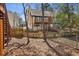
35 19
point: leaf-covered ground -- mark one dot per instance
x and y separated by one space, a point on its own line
36 47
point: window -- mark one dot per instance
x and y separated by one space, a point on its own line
45 19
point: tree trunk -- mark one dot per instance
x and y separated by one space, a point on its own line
44 31
26 24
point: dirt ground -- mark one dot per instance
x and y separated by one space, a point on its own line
36 47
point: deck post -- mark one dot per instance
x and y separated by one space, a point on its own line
1 29
1 37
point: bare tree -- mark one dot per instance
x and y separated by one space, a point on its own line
26 22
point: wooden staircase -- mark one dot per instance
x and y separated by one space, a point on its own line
6 28
6 32
1 33
5 22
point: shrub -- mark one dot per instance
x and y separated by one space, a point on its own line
17 33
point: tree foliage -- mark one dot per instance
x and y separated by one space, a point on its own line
66 15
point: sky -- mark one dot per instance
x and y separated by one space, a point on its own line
18 8
15 7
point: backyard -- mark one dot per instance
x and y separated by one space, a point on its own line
37 46
44 29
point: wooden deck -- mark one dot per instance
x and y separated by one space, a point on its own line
4 27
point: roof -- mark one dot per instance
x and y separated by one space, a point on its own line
35 12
